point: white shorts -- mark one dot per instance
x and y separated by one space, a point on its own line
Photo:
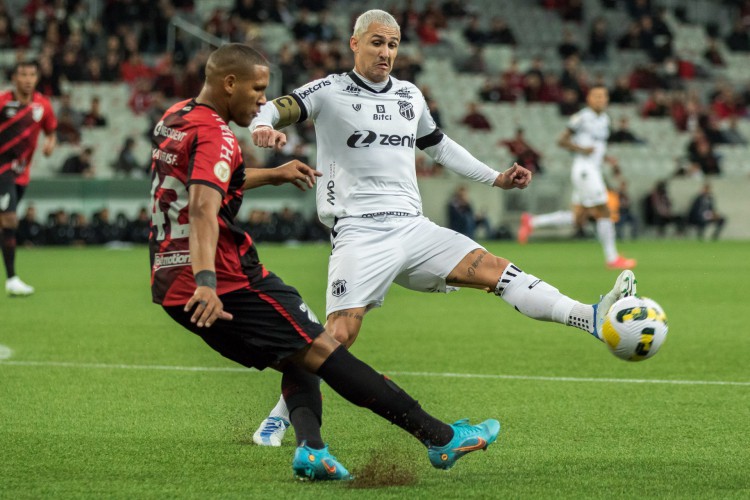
589 189
371 253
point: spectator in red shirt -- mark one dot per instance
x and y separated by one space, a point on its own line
474 119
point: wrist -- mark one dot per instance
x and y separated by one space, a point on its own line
206 278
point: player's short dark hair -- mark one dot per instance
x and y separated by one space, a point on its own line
25 64
235 58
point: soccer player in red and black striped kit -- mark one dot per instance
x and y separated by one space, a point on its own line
24 113
207 276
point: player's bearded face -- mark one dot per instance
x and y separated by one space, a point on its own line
375 51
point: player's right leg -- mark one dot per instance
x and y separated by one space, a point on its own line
9 224
359 384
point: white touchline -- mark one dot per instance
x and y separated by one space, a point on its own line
230 369
5 352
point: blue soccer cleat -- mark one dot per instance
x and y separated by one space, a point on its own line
466 438
310 464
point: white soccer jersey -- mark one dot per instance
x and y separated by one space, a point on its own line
590 129
365 141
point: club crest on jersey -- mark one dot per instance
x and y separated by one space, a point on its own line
406 110
356 107
37 111
338 288
10 112
222 170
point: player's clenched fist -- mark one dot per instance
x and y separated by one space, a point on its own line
516 177
268 137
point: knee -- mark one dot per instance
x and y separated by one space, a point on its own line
343 336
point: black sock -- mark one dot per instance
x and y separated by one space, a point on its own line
9 251
358 383
301 392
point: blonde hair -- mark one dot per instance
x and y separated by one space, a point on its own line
374 16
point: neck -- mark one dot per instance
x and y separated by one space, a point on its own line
367 80
24 98
207 99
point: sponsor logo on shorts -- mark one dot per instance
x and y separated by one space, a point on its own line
338 288
172 259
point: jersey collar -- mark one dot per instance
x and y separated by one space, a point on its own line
361 83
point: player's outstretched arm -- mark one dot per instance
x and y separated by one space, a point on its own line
516 177
293 172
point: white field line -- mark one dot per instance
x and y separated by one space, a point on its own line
229 369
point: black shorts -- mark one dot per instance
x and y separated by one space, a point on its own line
10 192
271 322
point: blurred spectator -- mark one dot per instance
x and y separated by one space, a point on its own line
738 40
500 33
127 162
134 69
461 215
656 106
474 118
303 28
621 93
703 213
325 30
258 225
473 32
49 78
523 153
658 210
30 231
165 80
139 228
79 164
93 72
104 230
82 232
59 231
6 33
712 53
474 63
626 215
623 134
632 39
599 40
94 118
142 97
568 46
569 103
428 32
703 159
69 121
289 226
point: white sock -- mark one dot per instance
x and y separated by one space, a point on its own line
533 297
280 410
554 219
605 230
538 300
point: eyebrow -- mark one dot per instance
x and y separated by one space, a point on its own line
381 37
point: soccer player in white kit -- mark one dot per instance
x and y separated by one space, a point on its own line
586 137
367 125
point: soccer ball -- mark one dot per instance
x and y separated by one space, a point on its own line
635 328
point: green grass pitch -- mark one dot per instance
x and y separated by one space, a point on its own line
91 404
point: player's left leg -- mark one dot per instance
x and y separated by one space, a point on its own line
533 297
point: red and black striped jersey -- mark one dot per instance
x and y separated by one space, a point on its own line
192 144
20 125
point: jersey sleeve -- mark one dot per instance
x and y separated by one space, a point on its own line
311 97
428 133
213 159
575 122
49 123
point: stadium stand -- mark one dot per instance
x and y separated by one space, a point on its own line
537 26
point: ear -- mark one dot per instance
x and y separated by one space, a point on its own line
354 44
230 81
